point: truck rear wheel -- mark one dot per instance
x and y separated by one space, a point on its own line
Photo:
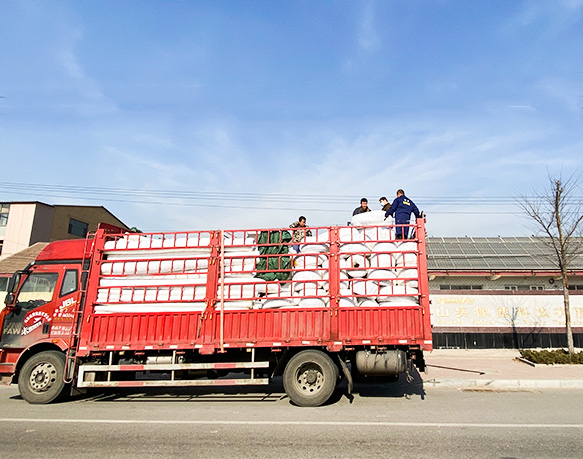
309 378
41 378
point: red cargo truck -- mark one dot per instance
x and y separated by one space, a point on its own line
218 308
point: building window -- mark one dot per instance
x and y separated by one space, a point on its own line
575 287
520 287
3 284
460 287
1 245
537 287
78 228
4 209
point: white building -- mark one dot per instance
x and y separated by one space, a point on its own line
24 223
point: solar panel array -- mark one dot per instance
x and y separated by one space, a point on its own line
500 254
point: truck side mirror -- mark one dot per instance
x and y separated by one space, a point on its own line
13 282
9 299
12 287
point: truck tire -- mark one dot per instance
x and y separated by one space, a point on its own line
309 378
41 378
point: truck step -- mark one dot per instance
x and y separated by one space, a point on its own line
168 383
174 366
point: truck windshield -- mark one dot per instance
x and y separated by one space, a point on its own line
37 290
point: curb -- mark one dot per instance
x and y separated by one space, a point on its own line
546 365
506 383
528 362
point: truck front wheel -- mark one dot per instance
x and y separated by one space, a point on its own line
41 378
309 378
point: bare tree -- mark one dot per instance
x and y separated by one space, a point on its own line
557 215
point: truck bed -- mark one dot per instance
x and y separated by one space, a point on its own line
211 290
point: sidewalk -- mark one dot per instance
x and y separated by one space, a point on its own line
496 369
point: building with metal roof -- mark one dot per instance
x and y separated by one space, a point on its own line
501 292
476 256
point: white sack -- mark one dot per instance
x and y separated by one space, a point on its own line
170 279
374 217
408 277
306 261
348 235
234 305
305 289
347 249
143 307
314 244
381 261
239 244
311 303
383 276
153 254
237 288
403 259
355 266
365 288
279 289
274 304
368 302
156 242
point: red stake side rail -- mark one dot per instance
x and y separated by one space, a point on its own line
215 290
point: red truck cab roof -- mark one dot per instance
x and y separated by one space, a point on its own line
73 249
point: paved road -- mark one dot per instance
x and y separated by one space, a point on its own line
403 421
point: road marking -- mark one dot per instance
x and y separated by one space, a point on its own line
293 423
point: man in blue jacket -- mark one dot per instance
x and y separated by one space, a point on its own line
402 207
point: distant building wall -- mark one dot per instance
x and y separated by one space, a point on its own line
504 318
21 221
91 216
41 225
23 224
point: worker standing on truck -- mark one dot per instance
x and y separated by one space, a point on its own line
402 208
299 234
363 207
384 204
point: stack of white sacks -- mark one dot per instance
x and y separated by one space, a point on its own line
150 273
373 269
147 274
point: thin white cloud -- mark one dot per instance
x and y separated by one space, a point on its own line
547 17
565 92
573 4
368 38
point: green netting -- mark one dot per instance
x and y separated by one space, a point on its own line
272 265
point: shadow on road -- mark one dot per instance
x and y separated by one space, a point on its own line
397 389
271 393
274 392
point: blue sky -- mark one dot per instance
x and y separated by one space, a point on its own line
180 115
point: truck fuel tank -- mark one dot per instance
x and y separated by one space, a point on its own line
387 363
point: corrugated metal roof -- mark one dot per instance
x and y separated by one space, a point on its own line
494 254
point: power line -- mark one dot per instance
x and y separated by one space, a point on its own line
189 198
444 200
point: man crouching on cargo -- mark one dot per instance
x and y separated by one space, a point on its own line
298 235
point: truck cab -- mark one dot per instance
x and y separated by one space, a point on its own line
41 307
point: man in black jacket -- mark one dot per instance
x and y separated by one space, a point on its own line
363 207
